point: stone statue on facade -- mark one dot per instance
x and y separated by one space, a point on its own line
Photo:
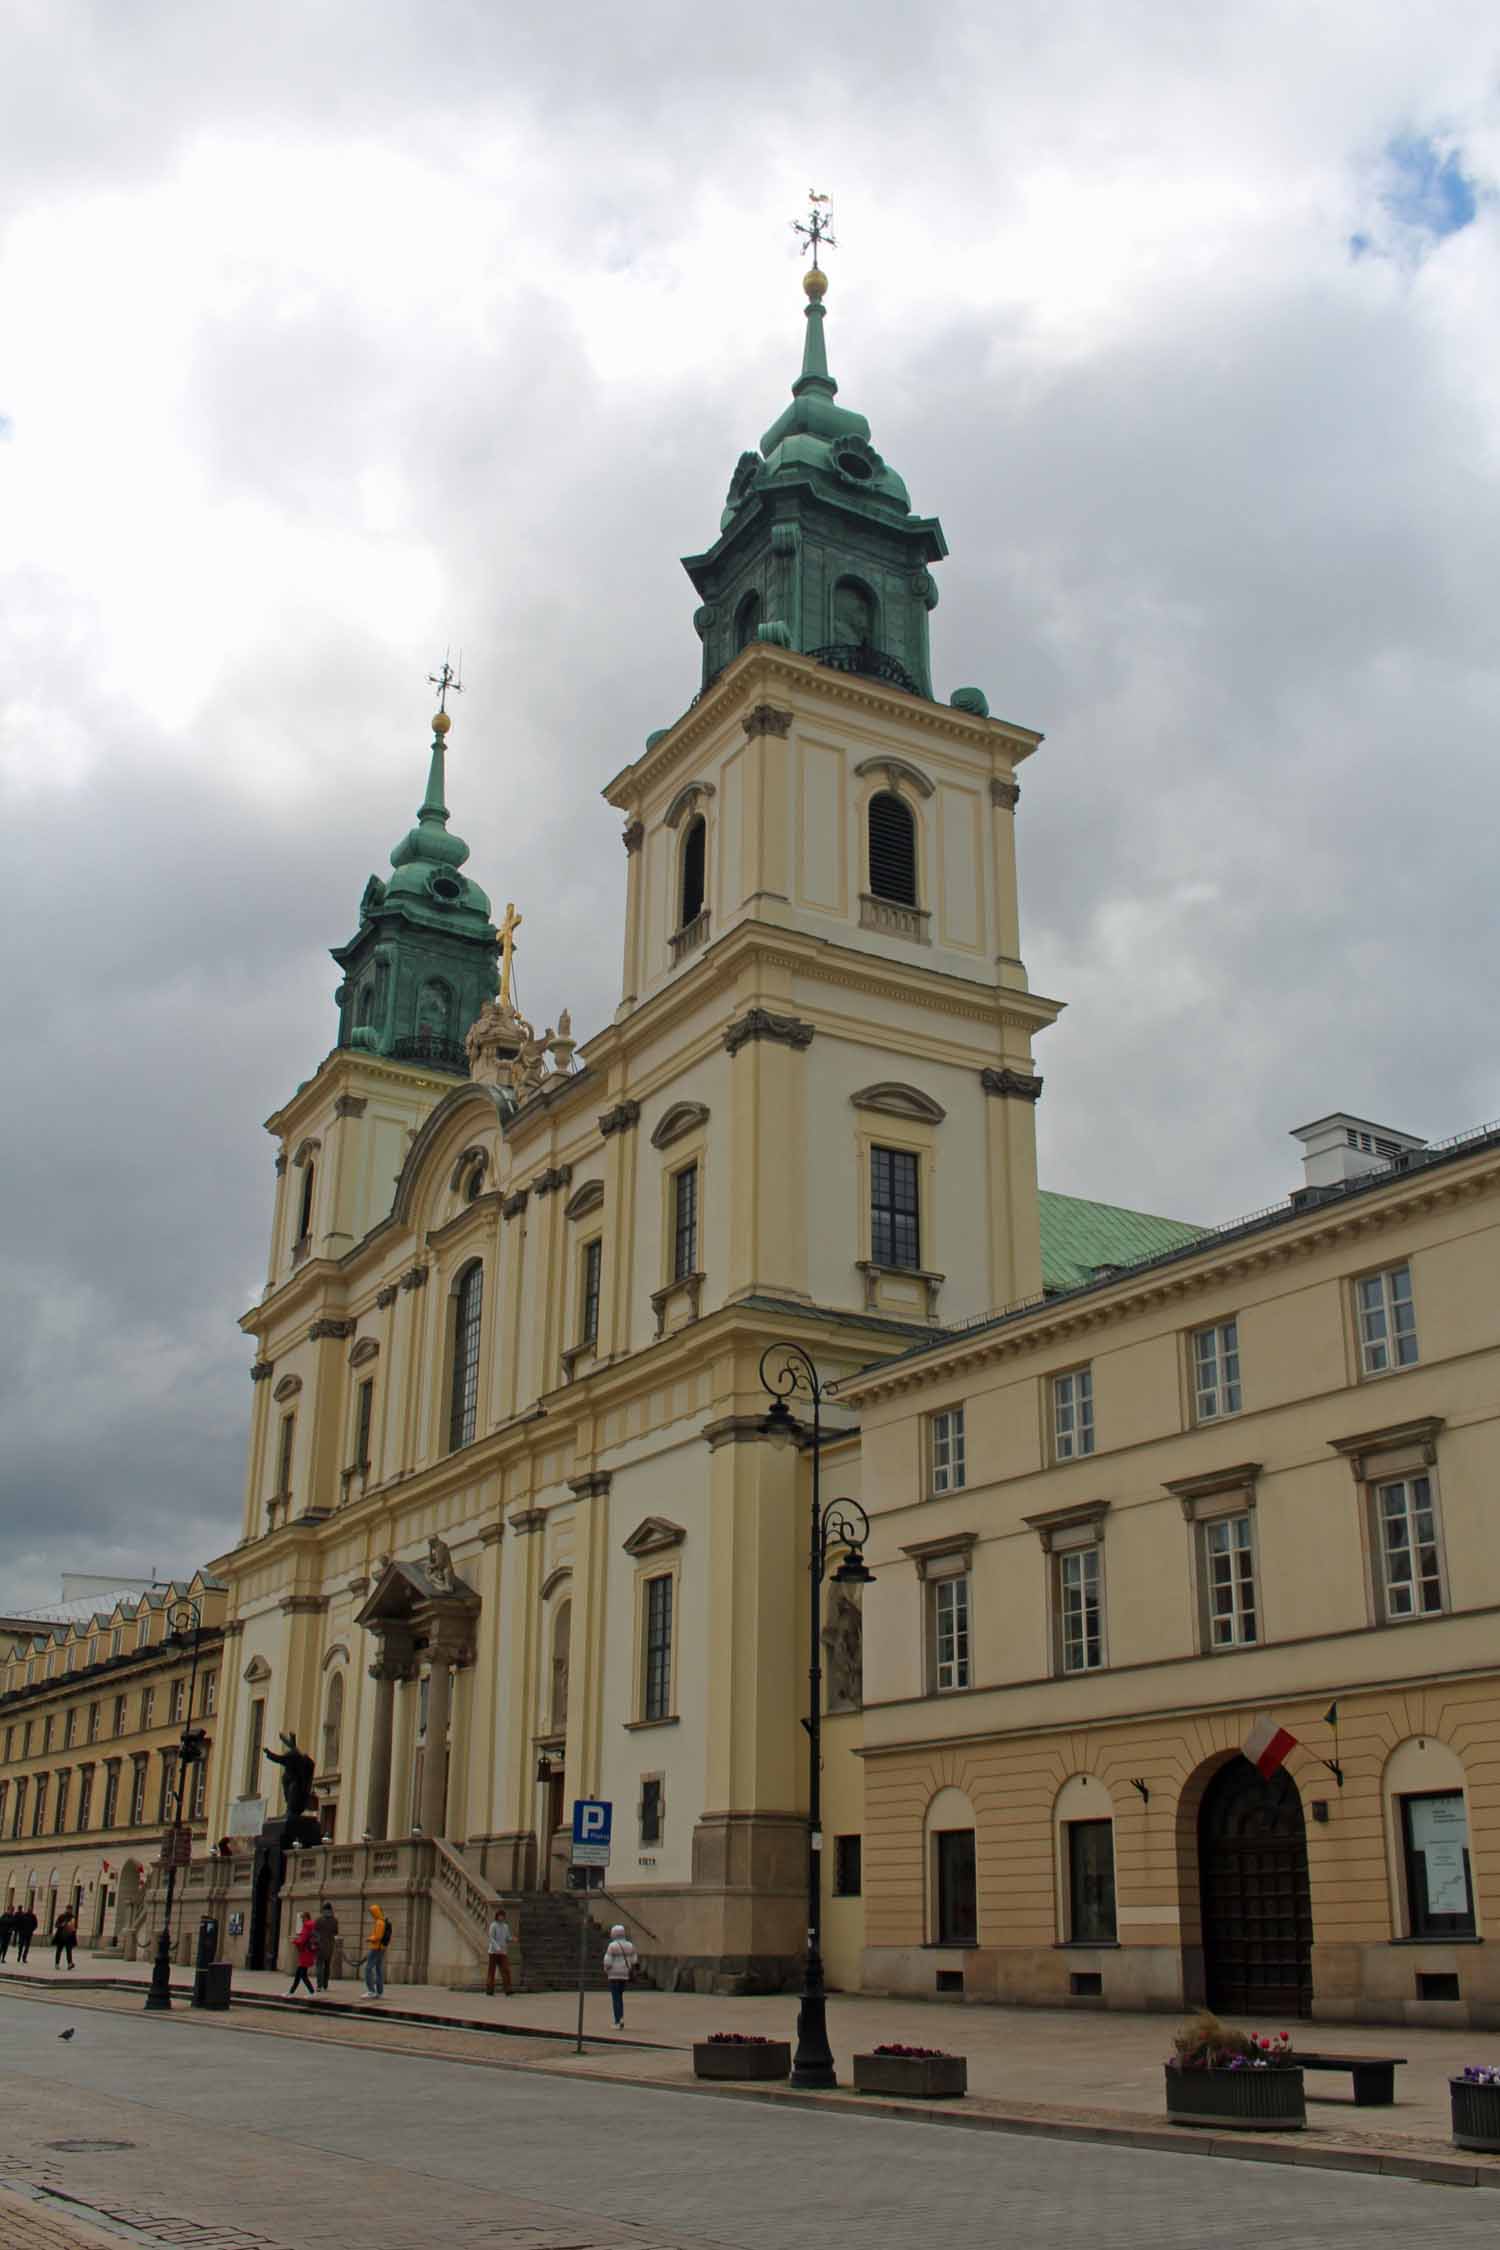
296 1786
440 1564
843 1643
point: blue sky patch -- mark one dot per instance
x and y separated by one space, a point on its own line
1428 187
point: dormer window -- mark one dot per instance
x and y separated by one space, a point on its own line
694 851
893 850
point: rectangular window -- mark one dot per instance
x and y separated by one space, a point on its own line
210 1694
848 1866
685 1222
284 1457
957 1888
168 1783
95 1711
254 1744
1229 1581
1080 1609
651 1809
1091 1882
111 1793
19 1815
39 1804
1387 1321
148 1707
200 1794
658 1651
1216 1371
26 1734
10 1744
85 1795
48 1724
1439 1884
1073 1414
364 1414
138 1795
588 1292
4 1801
60 1810
950 1633
179 1701
895 1232
945 1450
1406 1520
70 1726
119 1715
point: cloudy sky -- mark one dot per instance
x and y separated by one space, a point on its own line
335 334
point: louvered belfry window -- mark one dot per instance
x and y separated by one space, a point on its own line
893 850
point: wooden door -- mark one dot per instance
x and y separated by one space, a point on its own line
957 1891
1257 1907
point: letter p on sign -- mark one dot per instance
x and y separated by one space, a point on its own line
593 1818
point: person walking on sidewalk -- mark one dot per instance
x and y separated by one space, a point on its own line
25 1932
499 1953
306 1946
7 1930
326 1930
375 1953
620 1958
64 1937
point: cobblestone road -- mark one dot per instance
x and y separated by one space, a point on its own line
277 2144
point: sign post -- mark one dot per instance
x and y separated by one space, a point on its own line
593 1819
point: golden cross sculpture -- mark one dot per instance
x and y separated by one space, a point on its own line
442 681
816 230
507 934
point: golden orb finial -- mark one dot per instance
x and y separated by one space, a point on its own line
815 282
441 722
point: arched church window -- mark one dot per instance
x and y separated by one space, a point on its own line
304 1216
562 1637
893 850
364 1006
746 622
853 614
694 849
333 1723
434 1009
468 1305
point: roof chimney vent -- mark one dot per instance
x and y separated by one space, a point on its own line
1341 1148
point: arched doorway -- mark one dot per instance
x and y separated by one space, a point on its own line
129 1893
1257 1907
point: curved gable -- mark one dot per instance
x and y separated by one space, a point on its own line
464 1115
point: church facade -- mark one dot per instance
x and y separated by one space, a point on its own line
514 1532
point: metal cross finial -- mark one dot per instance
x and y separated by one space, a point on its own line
442 681
815 233
507 935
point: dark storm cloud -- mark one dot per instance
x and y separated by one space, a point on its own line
387 326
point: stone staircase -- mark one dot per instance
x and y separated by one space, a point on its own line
546 1929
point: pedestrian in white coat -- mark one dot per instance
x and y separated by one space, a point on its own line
620 1958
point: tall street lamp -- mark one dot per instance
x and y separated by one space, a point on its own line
787 1372
181 1617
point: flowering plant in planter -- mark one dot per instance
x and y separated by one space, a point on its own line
913 2054
1207 2044
738 2039
741 2054
1480 2074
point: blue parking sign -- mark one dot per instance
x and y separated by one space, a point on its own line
593 1818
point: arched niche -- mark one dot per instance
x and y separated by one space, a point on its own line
1084 1863
950 1861
1420 1780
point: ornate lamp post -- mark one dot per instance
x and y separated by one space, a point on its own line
182 1616
787 1372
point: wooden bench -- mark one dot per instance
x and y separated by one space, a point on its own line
1374 2075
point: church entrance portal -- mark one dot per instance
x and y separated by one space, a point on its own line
265 1906
1257 1908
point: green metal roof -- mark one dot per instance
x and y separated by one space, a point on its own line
1079 1237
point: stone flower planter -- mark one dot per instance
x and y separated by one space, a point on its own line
732 2058
1246 2101
1476 2115
923 2078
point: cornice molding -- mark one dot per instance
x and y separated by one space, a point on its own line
350 1105
302 1605
593 1485
515 1203
759 1023
1051 1524
547 1183
1012 1085
764 718
1236 1483
527 1520
1418 1437
338 1330
621 1118
737 1429
470 1219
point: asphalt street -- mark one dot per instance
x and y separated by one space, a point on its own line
297 2144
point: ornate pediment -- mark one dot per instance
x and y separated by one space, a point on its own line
590 1197
364 1351
402 1588
688 800
682 1118
287 1388
892 1099
653 1535
893 771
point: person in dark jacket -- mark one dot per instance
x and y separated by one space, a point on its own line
64 1937
25 1932
325 1931
7 1931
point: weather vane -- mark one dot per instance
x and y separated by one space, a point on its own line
447 678
815 231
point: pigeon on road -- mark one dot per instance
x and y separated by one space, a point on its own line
66 2034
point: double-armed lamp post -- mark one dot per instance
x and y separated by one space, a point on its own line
787 1373
183 1617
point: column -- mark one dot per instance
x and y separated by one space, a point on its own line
435 1754
382 1736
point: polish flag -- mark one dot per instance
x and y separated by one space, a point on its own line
1267 1745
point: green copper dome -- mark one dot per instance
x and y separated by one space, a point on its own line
423 962
818 549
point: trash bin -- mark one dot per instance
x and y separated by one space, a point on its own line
211 1985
